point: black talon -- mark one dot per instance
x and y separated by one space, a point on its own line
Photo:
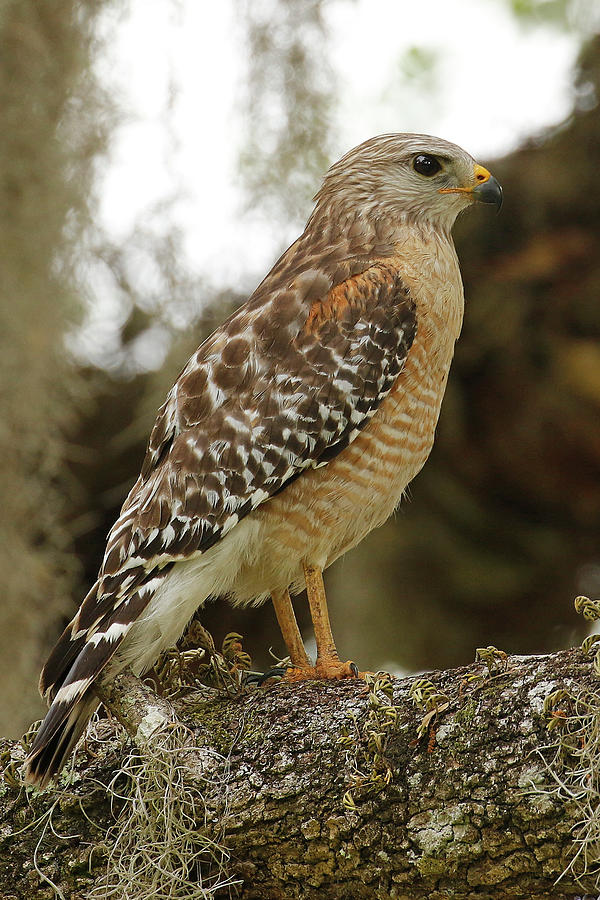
354 669
259 678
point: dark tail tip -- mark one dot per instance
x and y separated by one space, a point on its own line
56 739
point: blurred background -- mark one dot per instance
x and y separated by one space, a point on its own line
155 159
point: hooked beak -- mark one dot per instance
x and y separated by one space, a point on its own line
486 190
489 192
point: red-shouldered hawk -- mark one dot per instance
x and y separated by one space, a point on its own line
292 431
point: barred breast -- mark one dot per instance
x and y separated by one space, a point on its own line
330 509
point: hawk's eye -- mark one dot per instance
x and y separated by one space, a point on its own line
425 164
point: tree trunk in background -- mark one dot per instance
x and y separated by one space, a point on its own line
337 791
51 131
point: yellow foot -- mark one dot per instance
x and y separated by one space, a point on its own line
325 669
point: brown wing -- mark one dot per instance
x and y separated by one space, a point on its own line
259 403
280 388
276 390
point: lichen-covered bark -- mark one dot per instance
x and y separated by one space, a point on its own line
459 817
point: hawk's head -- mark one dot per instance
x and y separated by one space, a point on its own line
414 177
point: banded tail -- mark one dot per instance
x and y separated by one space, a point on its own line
68 680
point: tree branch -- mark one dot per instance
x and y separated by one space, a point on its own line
422 788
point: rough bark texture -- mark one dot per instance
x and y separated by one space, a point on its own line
459 817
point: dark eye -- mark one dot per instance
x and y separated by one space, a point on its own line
425 164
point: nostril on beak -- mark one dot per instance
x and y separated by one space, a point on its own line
481 174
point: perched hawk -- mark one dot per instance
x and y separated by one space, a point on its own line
292 431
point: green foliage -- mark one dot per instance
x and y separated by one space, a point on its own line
196 661
577 14
366 741
418 64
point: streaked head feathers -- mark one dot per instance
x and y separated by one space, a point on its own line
381 177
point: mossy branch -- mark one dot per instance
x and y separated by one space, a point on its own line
451 785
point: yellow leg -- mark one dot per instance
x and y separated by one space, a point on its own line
289 629
317 601
328 663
